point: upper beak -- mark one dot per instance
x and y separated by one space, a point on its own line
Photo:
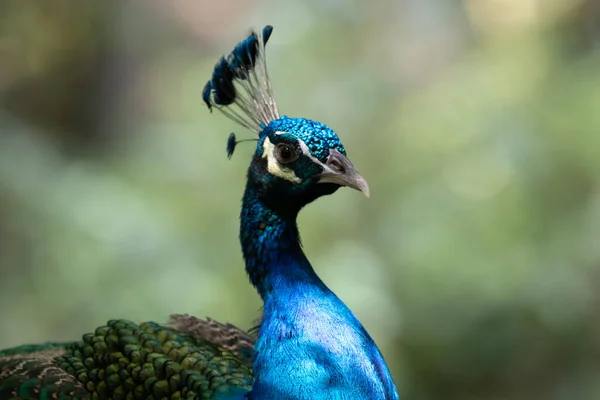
340 170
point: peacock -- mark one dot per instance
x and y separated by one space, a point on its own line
308 344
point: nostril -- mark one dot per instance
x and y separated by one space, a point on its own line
336 165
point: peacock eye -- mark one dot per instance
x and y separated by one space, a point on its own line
286 153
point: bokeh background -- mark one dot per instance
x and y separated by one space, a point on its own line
476 262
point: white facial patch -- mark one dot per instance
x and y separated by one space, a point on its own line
274 167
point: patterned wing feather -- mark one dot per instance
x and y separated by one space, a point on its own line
31 372
227 336
123 360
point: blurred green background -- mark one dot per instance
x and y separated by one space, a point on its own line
475 265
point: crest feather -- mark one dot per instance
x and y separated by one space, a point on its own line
241 79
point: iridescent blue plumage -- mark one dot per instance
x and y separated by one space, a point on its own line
310 345
317 136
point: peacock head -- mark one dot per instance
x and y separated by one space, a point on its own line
295 158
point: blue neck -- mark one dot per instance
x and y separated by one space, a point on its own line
310 345
270 241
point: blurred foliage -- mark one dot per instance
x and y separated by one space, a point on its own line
474 265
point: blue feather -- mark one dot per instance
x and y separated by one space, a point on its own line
242 80
243 57
231 143
206 92
308 338
222 84
237 65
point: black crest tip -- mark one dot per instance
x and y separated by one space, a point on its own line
240 79
266 33
206 95
231 143
224 92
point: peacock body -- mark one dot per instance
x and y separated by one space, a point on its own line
309 345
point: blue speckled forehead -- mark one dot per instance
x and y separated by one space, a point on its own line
318 137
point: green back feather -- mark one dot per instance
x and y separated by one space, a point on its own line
123 360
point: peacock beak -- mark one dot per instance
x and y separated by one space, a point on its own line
340 170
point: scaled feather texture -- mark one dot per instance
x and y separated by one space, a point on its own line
308 345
